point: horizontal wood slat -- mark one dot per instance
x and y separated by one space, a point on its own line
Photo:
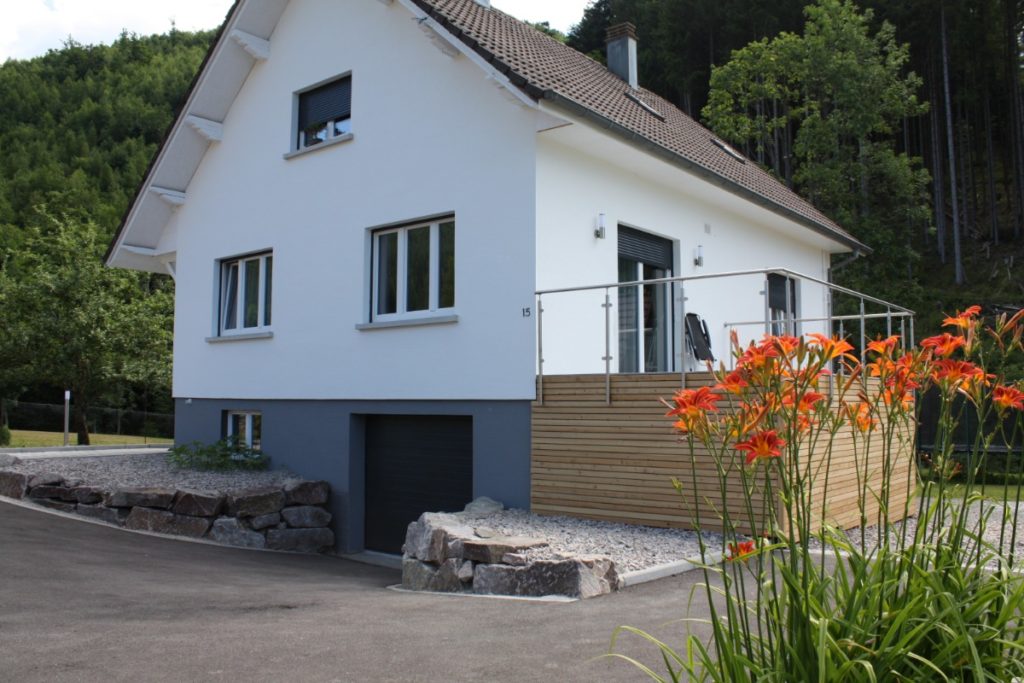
616 461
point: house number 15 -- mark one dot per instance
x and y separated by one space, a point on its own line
527 312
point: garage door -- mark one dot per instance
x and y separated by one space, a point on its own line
414 464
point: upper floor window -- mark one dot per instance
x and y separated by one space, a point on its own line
413 269
246 284
325 112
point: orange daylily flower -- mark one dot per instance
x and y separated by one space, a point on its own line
741 551
733 383
747 418
860 416
884 346
961 376
805 402
957 371
902 396
692 406
765 444
831 347
962 320
1006 398
905 373
757 356
784 344
883 366
943 345
694 402
804 423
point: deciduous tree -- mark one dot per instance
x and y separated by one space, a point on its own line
822 109
71 322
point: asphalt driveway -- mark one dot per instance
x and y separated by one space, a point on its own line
84 602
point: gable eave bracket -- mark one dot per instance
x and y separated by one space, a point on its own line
447 48
258 48
140 251
173 198
211 131
426 21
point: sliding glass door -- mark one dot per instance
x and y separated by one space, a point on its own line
645 311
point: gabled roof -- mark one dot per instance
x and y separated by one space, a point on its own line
534 63
547 69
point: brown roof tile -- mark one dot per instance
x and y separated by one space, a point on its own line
546 68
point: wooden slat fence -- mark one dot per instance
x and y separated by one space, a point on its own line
616 461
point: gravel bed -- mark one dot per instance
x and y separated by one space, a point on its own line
630 547
974 514
148 470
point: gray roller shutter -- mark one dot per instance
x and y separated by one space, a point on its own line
645 247
329 102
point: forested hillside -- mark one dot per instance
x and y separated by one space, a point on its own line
942 170
78 127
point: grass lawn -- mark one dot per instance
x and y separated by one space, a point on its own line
21 438
992 491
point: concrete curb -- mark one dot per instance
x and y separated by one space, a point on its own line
372 557
27 450
559 599
634 578
663 571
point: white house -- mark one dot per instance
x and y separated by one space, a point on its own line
358 202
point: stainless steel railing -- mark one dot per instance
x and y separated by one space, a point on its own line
892 313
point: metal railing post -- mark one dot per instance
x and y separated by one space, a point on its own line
607 347
790 325
913 343
540 350
888 322
842 335
903 331
767 307
682 317
863 333
829 310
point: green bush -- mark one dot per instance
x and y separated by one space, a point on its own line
5 435
224 455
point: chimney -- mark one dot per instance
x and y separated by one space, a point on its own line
484 3
621 41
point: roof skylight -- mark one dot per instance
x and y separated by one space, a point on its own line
646 107
728 149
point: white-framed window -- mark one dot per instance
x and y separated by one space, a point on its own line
413 269
324 112
246 426
246 288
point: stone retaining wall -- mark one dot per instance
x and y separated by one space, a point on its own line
444 553
289 517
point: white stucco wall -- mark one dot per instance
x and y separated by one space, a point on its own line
431 135
574 187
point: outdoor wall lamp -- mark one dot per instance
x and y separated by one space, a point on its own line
698 256
599 230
